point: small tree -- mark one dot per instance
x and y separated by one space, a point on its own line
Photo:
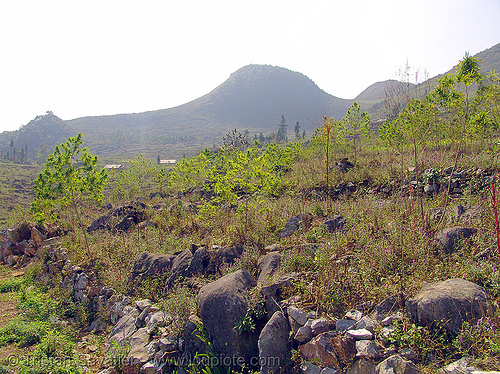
70 176
281 136
357 127
297 130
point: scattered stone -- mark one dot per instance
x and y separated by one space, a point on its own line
345 348
180 266
451 302
304 333
293 224
355 315
388 306
335 223
122 330
320 350
367 323
273 248
138 354
297 314
267 266
344 324
361 334
449 239
362 366
321 325
396 365
309 368
368 349
143 304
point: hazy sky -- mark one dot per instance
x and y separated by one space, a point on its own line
82 58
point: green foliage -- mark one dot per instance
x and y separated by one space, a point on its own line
37 306
479 340
139 179
206 363
180 304
117 355
23 333
356 126
12 284
69 177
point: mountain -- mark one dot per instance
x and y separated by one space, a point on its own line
253 98
41 134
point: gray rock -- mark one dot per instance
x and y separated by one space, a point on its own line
328 371
355 315
457 367
321 325
192 342
396 365
388 306
335 223
309 368
138 353
149 368
362 366
267 266
273 344
361 334
155 320
297 314
200 261
368 349
273 248
451 302
123 330
143 304
344 324
293 225
167 344
449 239
304 333
222 305
180 267
151 265
367 323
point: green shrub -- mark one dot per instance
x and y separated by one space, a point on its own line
23 333
37 306
11 284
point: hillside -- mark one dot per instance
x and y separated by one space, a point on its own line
253 98
39 136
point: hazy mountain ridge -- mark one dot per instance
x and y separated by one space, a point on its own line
253 97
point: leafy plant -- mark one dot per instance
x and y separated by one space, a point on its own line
70 176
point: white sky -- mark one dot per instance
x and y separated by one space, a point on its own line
82 58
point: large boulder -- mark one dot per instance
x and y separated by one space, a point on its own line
151 265
223 305
449 239
450 302
274 347
180 267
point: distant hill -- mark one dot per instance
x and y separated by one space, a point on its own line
253 98
41 134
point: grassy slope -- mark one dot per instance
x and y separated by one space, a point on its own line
15 188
